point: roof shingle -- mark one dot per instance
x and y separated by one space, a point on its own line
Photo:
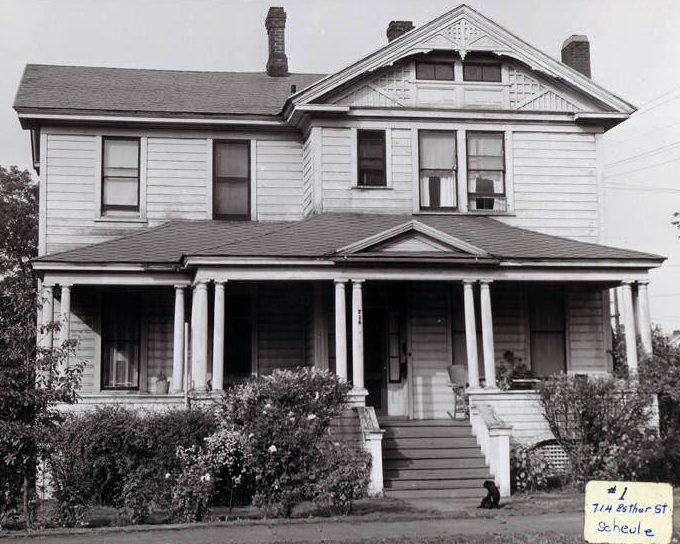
163 92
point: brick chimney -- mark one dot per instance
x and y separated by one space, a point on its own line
398 28
275 23
576 53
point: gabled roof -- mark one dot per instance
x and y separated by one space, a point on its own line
463 30
81 89
327 236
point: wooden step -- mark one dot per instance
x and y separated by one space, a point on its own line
429 443
457 483
388 423
427 432
436 474
426 453
447 462
474 494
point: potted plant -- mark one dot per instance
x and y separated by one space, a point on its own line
162 385
511 373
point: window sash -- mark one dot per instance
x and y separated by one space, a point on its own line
437 157
486 171
371 158
435 71
231 180
487 73
120 174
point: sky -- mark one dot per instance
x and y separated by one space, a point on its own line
634 53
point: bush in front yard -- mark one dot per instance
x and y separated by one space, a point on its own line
119 457
284 419
603 425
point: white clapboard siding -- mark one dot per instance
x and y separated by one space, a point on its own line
177 179
555 184
521 411
586 335
430 355
281 328
338 172
159 315
279 180
84 310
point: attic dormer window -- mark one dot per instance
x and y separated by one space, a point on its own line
434 71
482 72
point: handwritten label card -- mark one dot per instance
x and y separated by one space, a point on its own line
628 512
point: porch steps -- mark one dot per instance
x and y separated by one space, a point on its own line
432 459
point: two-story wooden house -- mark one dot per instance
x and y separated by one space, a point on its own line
414 218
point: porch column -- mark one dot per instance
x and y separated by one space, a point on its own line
629 329
199 336
48 316
471 334
487 335
178 341
340 331
644 321
65 314
218 338
358 390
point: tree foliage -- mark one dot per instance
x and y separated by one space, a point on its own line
33 379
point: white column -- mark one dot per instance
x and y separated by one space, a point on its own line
340 331
471 334
487 336
48 316
65 314
629 329
644 320
358 389
218 338
199 336
178 341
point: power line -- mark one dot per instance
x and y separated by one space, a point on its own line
643 112
663 95
656 129
674 159
631 187
644 154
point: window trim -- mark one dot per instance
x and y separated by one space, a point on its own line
457 207
384 183
103 209
503 171
232 217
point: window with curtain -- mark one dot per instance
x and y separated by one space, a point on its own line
371 155
437 163
548 330
120 341
120 174
231 181
486 171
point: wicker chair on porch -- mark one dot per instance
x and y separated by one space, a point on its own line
458 383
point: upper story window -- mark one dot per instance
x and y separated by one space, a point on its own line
120 175
371 157
486 171
231 180
437 165
481 72
437 71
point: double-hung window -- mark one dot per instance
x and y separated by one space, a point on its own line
486 171
120 341
120 175
371 157
231 181
437 150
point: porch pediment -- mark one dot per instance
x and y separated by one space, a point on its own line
412 239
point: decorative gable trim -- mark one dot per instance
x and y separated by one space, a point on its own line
462 30
412 226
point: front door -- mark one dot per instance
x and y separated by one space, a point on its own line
375 358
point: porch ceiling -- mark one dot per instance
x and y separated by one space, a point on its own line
324 238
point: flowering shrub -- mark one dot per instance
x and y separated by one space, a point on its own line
528 469
342 477
284 419
602 424
192 491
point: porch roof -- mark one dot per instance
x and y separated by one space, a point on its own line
326 236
